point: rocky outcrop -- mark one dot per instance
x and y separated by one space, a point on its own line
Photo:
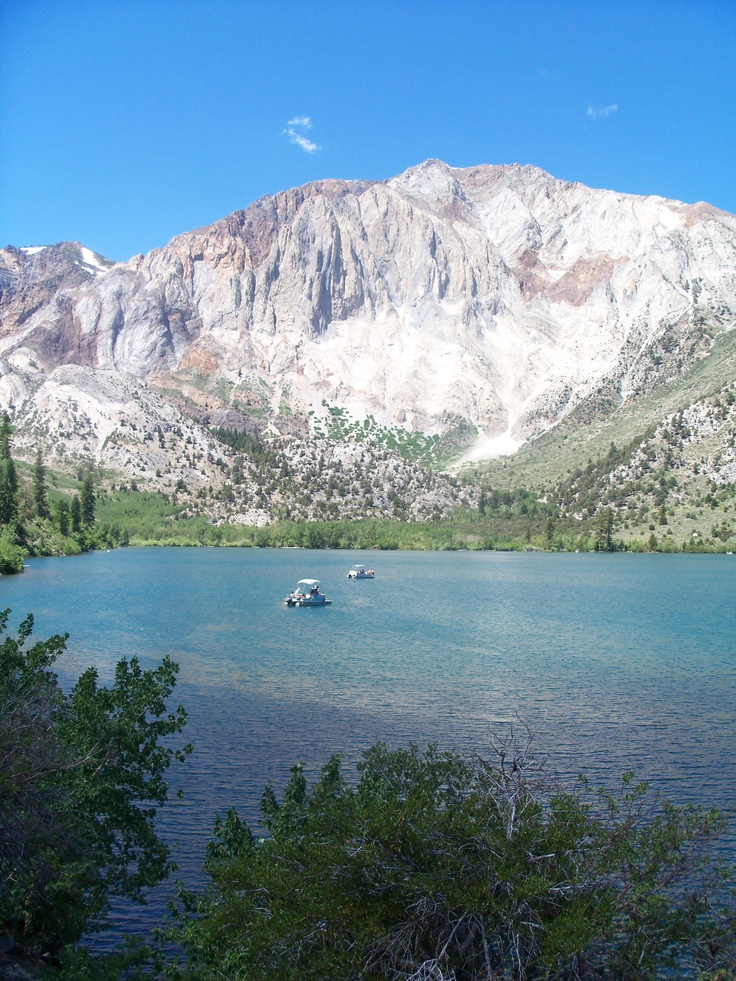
495 295
31 277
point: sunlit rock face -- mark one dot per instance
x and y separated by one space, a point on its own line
495 295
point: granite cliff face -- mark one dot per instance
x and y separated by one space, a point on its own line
495 299
31 277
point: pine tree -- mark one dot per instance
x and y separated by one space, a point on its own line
604 531
40 498
5 436
8 475
62 517
550 531
76 514
88 501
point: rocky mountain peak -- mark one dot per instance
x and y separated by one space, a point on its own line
492 301
32 276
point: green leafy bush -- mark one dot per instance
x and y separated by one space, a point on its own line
11 555
440 866
81 778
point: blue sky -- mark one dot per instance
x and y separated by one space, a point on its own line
124 123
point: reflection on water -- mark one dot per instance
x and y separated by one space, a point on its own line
630 658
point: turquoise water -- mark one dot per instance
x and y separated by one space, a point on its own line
622 661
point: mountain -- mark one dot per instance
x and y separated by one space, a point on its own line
30 277
466 312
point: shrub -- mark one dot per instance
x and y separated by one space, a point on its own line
441 866
81 777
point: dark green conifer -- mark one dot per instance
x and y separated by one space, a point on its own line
76 515
62 516
5 436
40 498
8 475
88 501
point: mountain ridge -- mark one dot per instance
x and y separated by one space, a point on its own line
477 308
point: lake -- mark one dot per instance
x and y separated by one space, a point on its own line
622 661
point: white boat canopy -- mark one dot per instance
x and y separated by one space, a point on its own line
310 583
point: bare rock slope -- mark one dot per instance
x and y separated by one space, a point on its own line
494 296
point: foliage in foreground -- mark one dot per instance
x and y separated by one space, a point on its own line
81 778
438 866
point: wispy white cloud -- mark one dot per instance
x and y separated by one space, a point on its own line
596 113
298 140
